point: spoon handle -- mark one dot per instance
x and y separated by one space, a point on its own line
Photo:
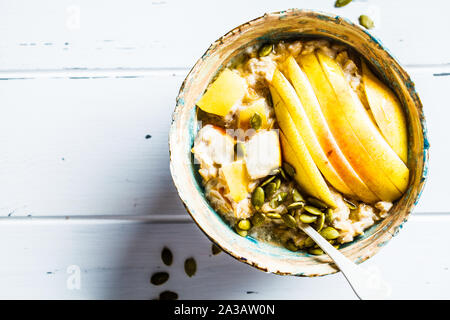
365 284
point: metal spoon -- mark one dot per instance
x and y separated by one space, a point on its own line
366 285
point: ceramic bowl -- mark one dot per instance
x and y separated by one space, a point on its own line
292 24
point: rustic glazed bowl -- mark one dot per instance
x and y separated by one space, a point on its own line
272 27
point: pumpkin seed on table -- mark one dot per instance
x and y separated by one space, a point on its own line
256 121
313 210
306 218
166 256
258 219
159 278
215 249
329 233
317 203
267 181
190 266
244 224
258 197
168 295
289 221
366 22
296 196
289 169
341 3
265 50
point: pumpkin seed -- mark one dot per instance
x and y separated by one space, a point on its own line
159 278
282 196
166 256
350 204
316 251
283 174
256 121
273 215
270 189
329 233
258 197
215 249
289 220
337 246
265 50
329 216
239 149
366 22
309 242
244 224
296 196
242 233
168 295
274 203
341 3
290 246
258 219
313 210
278 184
317 203
320 222
190 266
306 218
296 205
267 181
290 170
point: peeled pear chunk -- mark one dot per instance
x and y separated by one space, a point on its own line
262 153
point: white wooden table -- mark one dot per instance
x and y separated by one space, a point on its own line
87 89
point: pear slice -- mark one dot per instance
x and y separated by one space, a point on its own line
324 136
387 111
361 142
236 176
293 106
296 153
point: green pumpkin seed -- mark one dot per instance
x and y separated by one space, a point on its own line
329 216
329 233
244 224
296 205
256 121
320 222
306 218
265 50
258 219
313 210
316 251
336 246
190 266
309 242
296 196
317 203
159 278
283 174
291 246
278 184
168 295
242 233
273 215
166 256
239 149
215 249
290 170
270 189
282 196
341 3
289 221
366 22
274 203
350 204
258 197
267 181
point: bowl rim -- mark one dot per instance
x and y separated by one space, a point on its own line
242 27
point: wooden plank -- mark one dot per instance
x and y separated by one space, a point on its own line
75 144
175 33
116 260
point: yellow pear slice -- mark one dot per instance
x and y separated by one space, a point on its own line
293 106
361 142
387 111
235 174
324 136
223 93
296 153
